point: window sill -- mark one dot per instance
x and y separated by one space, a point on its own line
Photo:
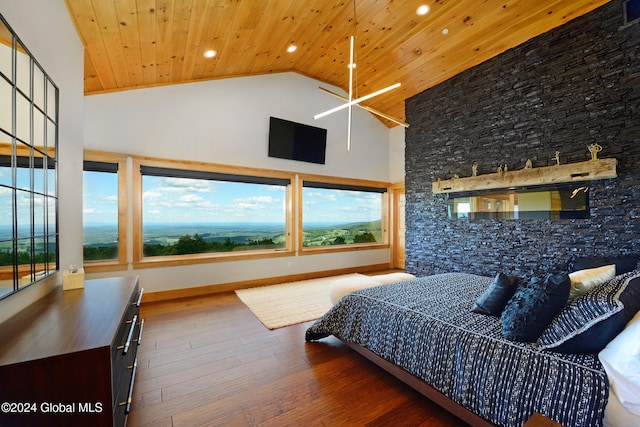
6 272
180 260
103 266
314 250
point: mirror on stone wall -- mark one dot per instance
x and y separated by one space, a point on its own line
28 167
559 202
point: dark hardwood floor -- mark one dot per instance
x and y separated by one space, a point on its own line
207 361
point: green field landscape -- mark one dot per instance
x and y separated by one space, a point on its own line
100 240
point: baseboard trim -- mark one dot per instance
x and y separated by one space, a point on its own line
232 286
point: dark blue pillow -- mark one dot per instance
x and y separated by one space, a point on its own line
588 323
495 298
533 306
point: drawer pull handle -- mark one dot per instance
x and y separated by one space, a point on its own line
127 408
137 303
125 347
139 339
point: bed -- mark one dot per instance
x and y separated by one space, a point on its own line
424 332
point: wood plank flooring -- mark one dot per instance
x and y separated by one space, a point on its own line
207 361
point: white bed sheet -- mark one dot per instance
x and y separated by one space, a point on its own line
616 415
620 358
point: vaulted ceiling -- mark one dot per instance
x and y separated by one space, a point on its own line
142 43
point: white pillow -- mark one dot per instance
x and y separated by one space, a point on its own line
394 277
621 361
341 287
616 415
584 280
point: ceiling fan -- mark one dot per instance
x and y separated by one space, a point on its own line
350 101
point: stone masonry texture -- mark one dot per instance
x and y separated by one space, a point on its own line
576 85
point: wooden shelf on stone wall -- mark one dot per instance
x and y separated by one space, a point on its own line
571 172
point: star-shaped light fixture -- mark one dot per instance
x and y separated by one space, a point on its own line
350 101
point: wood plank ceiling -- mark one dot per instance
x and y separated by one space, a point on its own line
142 43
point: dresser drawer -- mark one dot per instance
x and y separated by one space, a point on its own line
72 352
123 354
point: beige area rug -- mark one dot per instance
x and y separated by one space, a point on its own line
287 304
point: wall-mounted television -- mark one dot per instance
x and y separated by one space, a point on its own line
296 141
631 12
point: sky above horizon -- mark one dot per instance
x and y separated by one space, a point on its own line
182 200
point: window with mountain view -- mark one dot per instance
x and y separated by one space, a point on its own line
336 214
100 211
194 212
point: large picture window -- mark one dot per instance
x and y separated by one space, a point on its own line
186 212
341 214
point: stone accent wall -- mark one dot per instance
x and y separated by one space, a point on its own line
576 85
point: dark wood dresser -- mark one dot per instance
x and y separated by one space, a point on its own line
69 359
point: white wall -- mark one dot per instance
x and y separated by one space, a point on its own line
227 121
396 154
46 29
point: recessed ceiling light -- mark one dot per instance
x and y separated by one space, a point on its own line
210 53
292 48
422 10
445 31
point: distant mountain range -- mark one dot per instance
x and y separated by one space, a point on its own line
100 235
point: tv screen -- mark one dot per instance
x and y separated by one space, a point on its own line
295 141
631 9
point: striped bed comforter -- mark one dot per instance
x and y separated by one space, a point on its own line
426 327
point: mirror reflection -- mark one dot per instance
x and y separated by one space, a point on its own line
6 242
6 43
39 86
23 70
5 108
569 202
28 167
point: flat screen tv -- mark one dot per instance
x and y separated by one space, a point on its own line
631 11
295 141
